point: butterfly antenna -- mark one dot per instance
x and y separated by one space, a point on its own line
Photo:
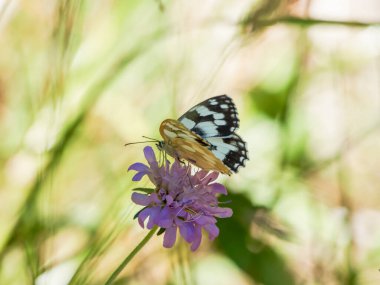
150 140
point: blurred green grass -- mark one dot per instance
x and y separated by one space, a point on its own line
78 79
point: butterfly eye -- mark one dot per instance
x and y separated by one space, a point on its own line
160 145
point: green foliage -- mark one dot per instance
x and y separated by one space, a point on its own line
79 79
255 257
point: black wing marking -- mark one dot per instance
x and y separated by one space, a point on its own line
214 117
232 150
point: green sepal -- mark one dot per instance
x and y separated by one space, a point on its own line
145 190
137 214
161 231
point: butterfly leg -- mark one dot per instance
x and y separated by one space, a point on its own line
162 159
188 173
182 161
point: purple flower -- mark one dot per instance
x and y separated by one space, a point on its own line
181 200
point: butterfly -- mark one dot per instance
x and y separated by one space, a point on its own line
205 136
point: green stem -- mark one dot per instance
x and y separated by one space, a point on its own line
130 256
311 22
303 22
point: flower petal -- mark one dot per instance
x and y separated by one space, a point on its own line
151 157
155 198
153 217
210 177
201 174
197 238
217 188
169 199
170 237
141 199
187 231
143 215
203 220
223 212
138 166
138 176
166 219
213 231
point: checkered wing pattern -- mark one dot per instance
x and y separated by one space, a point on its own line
213 122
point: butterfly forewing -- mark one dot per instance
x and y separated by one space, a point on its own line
214 117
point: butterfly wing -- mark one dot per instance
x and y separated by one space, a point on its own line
182 143
216 120
232 150
214 117
199 155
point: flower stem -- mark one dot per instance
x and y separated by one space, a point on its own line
130 256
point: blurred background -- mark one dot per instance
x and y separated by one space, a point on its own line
78 79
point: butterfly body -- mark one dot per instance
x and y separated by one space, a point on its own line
181 143
205 136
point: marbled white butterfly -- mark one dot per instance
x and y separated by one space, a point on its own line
205 136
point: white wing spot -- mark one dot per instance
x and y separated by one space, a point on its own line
220 122
169 133
224 106
218 116
188 123
221 146
225 148
209 128
219 155
204 111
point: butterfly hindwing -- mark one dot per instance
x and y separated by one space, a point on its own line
214 117
231 150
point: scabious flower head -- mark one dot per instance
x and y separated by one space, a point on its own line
181 200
